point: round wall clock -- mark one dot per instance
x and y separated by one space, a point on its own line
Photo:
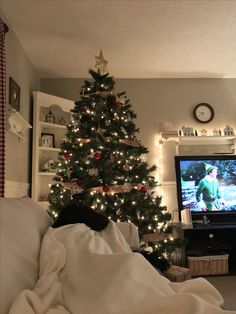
203 113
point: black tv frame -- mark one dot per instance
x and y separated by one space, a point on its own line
214 216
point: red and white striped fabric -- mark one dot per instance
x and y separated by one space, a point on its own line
2 105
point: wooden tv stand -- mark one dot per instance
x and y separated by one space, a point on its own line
210 239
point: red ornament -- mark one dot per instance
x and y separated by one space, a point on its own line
97 155
67 155
118 104
106 188
143 189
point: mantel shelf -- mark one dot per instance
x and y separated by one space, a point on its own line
196 140
17 124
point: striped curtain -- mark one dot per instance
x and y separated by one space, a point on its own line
3 30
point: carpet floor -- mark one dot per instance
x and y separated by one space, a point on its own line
226 285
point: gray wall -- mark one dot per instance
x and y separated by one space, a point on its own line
19 67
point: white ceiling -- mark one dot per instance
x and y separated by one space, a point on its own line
140 39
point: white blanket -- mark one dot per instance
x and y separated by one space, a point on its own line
88 272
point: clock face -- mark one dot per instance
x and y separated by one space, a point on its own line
203 113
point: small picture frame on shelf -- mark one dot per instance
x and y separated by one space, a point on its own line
47 140
14 94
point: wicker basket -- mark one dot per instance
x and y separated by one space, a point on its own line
208 265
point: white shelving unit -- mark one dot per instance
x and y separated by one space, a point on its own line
60 107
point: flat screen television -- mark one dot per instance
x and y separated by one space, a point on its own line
206 185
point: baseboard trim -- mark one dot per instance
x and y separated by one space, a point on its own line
16 189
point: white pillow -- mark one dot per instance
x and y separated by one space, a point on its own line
23 224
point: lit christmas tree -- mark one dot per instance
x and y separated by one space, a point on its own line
101 162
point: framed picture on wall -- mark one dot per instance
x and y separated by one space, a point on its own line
14 94
47 140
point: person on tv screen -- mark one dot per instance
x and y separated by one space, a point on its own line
208 194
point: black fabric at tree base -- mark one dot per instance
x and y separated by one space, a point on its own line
154 258
77 213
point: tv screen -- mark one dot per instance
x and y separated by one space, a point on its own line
206 184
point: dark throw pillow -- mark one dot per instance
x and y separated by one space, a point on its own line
76 213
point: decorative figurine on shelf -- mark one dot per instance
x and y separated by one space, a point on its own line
49 166
203 132
62 121
50 118
187 131
228 131
43 197
216 132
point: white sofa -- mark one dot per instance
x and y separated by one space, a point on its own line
23 224
129 276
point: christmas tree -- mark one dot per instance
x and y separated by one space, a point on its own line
102 164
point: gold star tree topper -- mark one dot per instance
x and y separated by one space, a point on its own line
101 64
